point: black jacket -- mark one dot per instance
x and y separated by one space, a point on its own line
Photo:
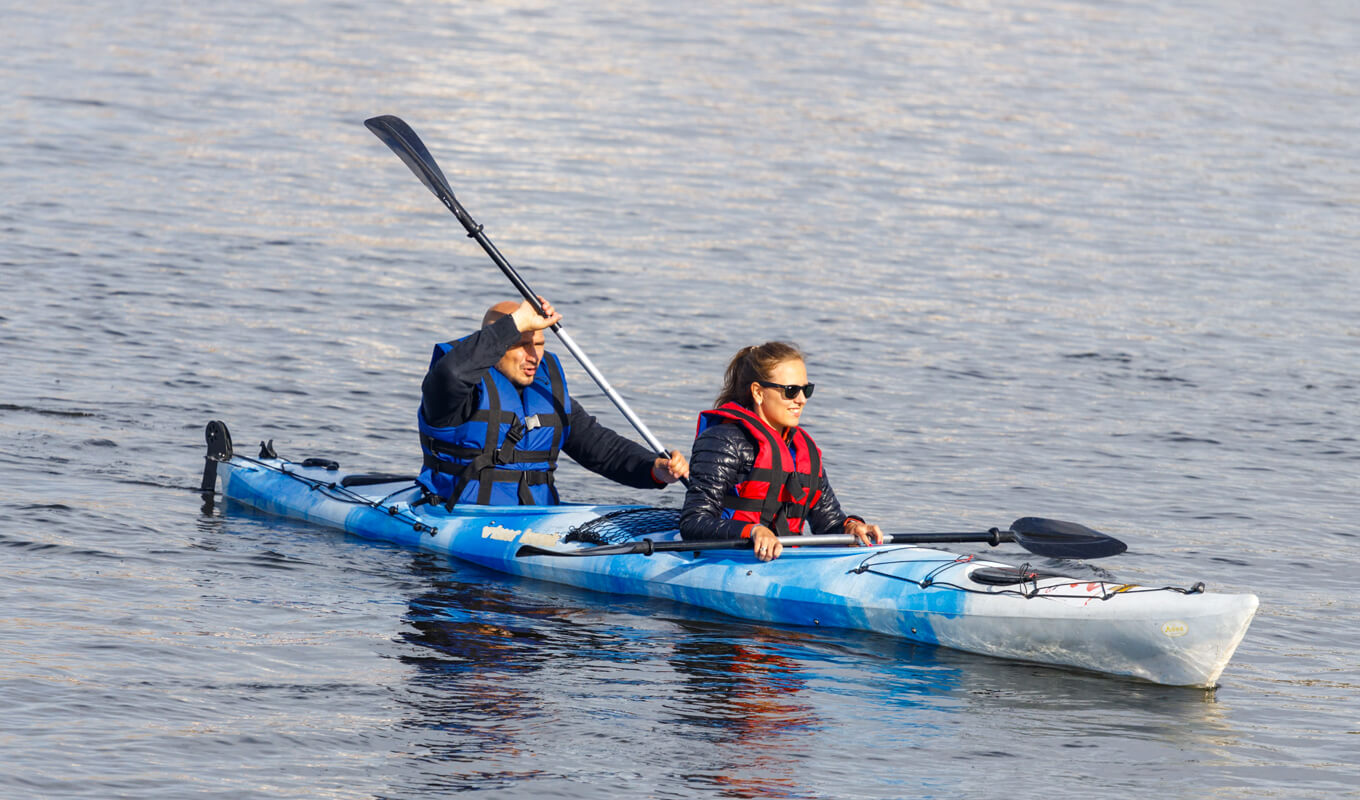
450 395
723 456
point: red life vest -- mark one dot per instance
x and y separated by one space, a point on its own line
782 485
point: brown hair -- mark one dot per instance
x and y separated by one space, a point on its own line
751 364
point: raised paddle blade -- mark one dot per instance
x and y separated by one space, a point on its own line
1058 539
397 135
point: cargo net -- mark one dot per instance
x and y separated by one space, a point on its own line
618 527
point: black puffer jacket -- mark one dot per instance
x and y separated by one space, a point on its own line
723 456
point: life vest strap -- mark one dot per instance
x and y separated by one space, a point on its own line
738 503
486 476
559 418
525 478
479 462
515 456
495 417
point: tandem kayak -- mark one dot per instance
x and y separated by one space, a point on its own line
1166 635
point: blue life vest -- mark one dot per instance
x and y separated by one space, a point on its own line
514 465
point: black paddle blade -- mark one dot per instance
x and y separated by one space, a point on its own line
1058 539
397 135
608 550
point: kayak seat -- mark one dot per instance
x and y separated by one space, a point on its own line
370 478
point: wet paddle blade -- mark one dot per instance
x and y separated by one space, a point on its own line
1058 539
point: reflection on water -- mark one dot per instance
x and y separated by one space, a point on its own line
477 652
738 691
740 688
502 664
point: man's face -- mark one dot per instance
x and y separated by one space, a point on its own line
520 363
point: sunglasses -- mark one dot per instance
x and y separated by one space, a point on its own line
790 390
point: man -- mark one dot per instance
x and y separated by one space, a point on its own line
495 412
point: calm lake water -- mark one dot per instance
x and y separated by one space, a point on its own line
1093 261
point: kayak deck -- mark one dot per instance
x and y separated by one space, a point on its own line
1165 635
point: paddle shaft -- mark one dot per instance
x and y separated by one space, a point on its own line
399 136
647 546
828 539
1052 538
475 231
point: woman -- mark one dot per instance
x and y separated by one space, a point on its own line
755 473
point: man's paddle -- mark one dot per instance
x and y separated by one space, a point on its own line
397 135
1045 537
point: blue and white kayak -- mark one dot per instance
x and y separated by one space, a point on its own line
1167 635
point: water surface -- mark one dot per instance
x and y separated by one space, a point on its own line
1084 260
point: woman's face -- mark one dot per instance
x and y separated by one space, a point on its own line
778 411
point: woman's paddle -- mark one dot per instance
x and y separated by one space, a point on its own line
1045 537
397 135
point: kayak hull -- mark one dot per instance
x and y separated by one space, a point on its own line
1167 636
